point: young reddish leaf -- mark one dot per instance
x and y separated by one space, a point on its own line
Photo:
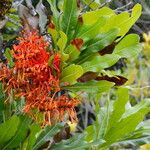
80 19
118 80
78 3
108 49
88 76
78 42
63 134
51 25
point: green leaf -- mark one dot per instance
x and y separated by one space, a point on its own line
93 16
125 126
69 17
122 122
97 131
97 63
62 41
142 104
64 58
101 41
47 135
123 21
54 35
143 129
97 44
103 121
8 129
73 52
20 134
128 47
136 141
71 73
114 20
144 125
91 133
91 86
87 32
100 126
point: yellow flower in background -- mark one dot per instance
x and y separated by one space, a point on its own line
72 126
146 43
145 147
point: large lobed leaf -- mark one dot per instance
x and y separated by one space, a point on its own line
117 123
123 21
92 16
128 47
125 126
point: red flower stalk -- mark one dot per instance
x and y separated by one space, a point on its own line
38 81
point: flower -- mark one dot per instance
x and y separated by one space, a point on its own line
38 80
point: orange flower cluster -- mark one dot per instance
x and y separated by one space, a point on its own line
36 76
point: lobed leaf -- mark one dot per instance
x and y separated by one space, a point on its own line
125 126
123 21
121 102
93 16
128 47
